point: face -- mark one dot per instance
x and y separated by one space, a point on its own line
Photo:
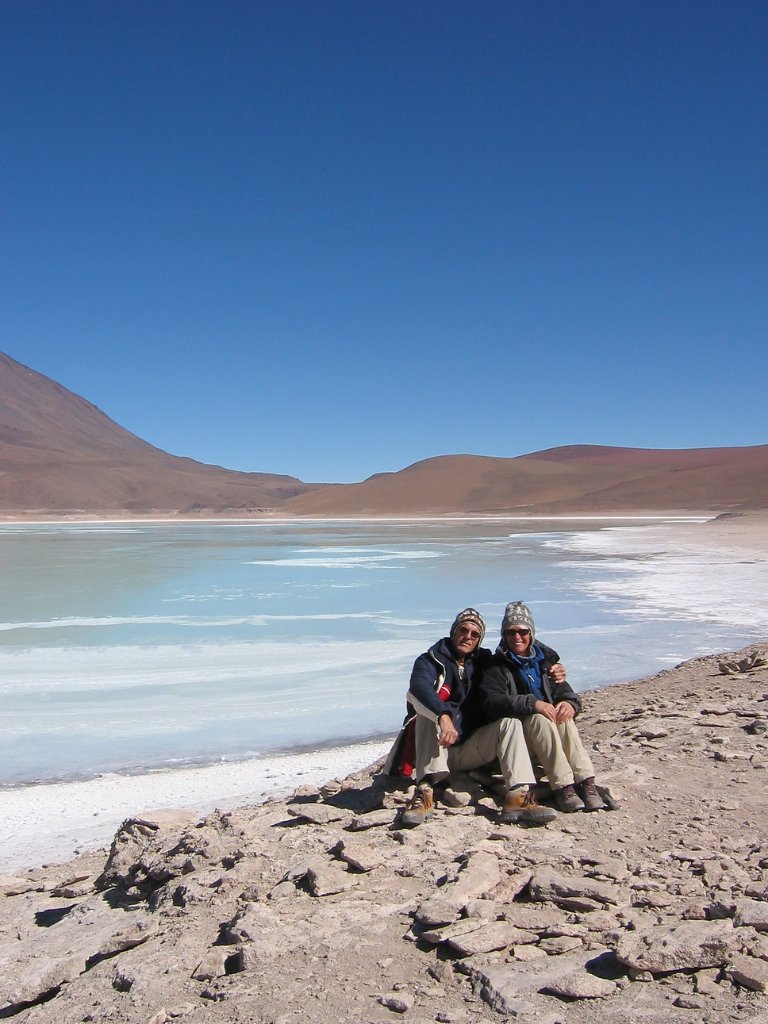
465 639
517 639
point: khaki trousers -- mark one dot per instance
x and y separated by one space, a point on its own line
503 740
558 749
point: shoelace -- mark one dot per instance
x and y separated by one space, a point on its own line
420 799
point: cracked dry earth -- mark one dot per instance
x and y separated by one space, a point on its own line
321 908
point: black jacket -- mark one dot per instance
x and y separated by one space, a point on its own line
502 691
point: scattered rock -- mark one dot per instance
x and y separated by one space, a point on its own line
582 986
318 814
751 973
279 914
399 1002
689 946
751 914
573 893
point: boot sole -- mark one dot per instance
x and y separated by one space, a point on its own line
521 818
415 820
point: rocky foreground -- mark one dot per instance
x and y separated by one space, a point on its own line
321 908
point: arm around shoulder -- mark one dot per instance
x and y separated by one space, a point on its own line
498 696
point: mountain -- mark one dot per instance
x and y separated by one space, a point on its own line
59 453
573 479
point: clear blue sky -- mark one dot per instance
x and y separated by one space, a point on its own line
332 238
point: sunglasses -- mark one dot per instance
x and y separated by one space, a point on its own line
517 632
471 633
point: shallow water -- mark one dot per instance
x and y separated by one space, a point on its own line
128 646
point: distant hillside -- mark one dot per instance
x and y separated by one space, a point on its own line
59 453
579 478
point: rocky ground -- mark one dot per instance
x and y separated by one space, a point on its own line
321 908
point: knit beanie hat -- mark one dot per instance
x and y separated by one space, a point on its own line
518 614
469 615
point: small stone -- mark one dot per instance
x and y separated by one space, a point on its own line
373 819
318 814
691 945
436 912
527 954
211 966
751 914
486 939
560 944
328 881
10 885
440 971
398 1002
752 973
690 1002
636 975
582 985
652 732
706 985
360 856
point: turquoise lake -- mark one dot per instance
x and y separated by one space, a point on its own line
132 646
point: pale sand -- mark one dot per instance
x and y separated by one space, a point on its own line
51 822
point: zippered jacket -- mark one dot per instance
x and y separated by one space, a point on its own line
432 671
502 690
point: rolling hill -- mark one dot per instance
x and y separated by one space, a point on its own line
59 454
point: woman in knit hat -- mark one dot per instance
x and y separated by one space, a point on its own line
523 684
441 733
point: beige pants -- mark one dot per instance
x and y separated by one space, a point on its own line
558 749
503 740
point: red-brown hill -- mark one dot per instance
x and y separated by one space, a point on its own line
59 453
574 479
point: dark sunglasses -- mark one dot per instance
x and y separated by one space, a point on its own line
517 632
471 633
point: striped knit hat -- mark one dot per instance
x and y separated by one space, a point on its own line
469 615
518 614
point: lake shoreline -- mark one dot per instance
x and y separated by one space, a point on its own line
53 820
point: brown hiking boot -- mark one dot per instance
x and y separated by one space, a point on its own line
520 807
420 807
588 792
568 800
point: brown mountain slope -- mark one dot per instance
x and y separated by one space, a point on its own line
59 452
573 479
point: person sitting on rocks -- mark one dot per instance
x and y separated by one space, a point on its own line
440 734
522 683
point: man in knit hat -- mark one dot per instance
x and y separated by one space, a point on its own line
441 733
522 683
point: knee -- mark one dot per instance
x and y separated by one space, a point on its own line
510 727
541 725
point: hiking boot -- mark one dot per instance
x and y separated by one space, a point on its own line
568 800
520 807
420 807
588 792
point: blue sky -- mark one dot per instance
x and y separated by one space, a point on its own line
332 238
